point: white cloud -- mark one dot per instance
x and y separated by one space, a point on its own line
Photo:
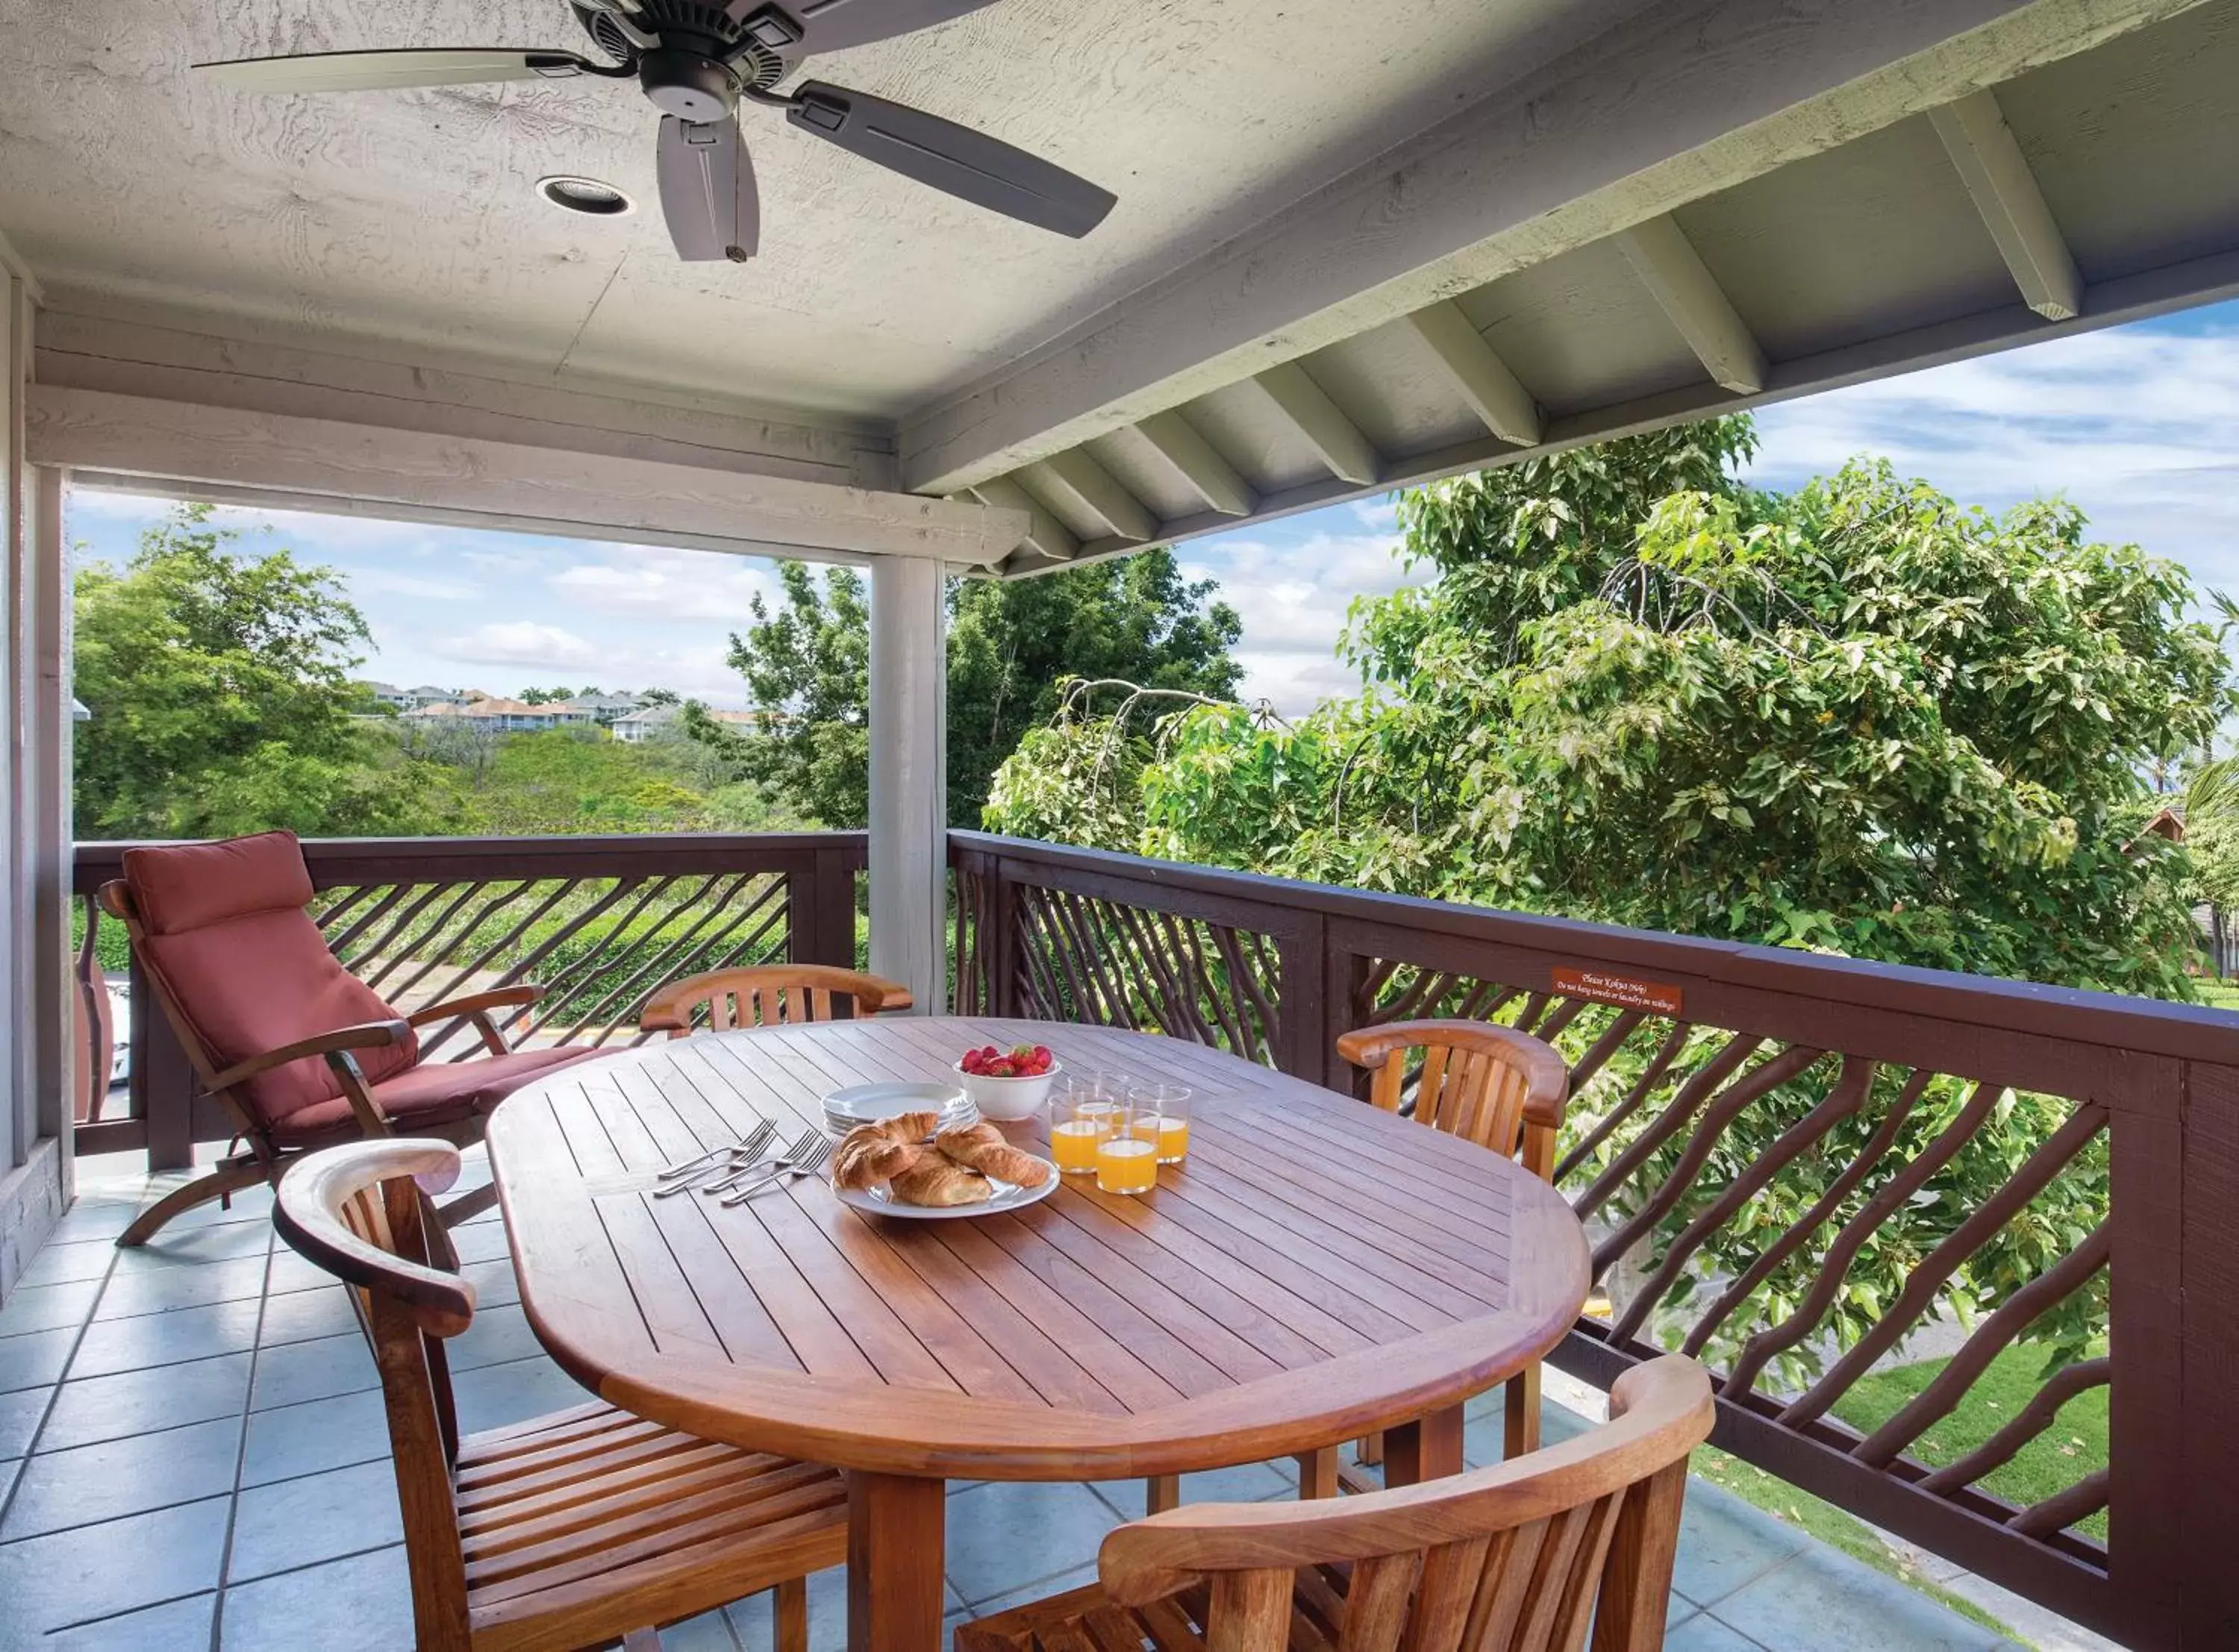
1292 584
522 642
695 587
412 584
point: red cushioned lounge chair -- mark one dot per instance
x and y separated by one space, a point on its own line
303 1052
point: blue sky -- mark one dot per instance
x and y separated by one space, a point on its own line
2138 425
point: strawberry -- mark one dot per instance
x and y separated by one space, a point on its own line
1001 1068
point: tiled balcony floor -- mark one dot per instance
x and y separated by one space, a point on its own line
192 1453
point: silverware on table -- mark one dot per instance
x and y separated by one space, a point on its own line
720 1161
808 1165
809 1141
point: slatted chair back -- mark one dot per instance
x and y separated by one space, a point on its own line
768 995
360 1213
1520 1557
1490 1084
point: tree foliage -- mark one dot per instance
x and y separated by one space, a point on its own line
220 700
1011 647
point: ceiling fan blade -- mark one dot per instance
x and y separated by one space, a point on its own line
834 25
708 191
378 71
968 164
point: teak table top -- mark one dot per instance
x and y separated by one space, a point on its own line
1315 1270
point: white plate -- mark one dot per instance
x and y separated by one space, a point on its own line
869 1103
1009 1196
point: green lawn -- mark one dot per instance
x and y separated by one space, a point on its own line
2075 1446
2221 995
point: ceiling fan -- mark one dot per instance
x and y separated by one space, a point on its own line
694 60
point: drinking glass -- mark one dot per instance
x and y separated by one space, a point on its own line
1162 1117
1125 1162
1080 1117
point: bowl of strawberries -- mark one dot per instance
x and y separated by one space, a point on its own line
1008 1084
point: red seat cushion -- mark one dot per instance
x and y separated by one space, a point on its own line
225 933
435 1092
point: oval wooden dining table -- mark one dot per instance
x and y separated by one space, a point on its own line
1318 1270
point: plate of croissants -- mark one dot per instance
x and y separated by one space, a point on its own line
908 1166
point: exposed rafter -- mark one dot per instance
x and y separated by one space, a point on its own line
1321 423
1199 464
2005 192
1685 289
1483 378
1076 476
1046 536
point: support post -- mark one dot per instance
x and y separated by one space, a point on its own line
909 778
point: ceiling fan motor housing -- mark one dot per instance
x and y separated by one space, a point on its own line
688 85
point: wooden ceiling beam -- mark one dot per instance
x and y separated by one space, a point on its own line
1321 424
1075 475
1494 394
1685 290
1197 463
2005 192
1046 536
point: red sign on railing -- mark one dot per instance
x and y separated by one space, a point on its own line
1601 987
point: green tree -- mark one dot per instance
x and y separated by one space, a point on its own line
1012 647
219 688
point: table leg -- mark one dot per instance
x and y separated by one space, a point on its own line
896 1541
1425 1449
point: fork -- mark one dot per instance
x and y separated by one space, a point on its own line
810 1140
809 1165
722 1161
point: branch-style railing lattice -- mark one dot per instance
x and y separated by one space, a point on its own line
600 923
1755 1138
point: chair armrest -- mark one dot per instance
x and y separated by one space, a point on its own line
501 998
366 1035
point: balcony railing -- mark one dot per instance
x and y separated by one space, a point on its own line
2099 1137
598 922
1752 1133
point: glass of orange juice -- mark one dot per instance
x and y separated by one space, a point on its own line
1125 1163
1161 1116
1080 1117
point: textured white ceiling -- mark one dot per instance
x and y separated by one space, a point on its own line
407 220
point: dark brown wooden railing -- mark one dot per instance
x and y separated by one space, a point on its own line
598 922
1749 1128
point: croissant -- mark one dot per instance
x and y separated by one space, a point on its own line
935 1180
983 1148
873 1153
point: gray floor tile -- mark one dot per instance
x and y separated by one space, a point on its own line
177 1246
156 1628
1005 1535
1028 1593
94 1217
19 1418
1724 1542
362 1604
496 1335
35 1360
63 1307
1245 1483
74 1575
165 1397
304 1316
481 1242
306 1439
1822 1598
709 1632
827 1614
1703 1632
131 1345
154 1290
318 1517
291 1272
494 1397
296 1372
249 1204
58 1264
90 1483
493 1282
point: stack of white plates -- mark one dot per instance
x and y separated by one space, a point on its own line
867 1103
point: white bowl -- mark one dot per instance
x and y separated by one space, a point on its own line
1009 1099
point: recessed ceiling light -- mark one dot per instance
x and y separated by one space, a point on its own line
586 196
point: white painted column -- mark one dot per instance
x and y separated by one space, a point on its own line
909 778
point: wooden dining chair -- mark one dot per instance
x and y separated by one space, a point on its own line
1519 1558
299 1051
767 995
578 1529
